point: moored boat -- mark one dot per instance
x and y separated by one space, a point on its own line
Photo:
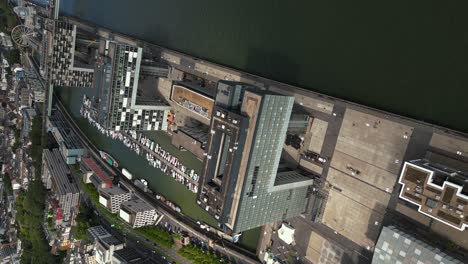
109 159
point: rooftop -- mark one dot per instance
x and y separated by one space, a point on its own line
110 240
71 141
195 132
136 206
194 87
112 191
59 172
128 255
98 171
289 176
150 102
97 232
29 113
439 191
396 246
7 250
32 79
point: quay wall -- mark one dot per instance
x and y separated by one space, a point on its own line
212 71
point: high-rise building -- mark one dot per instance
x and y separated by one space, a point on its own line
120 107
65 67
35 84
243 184
138 213
70 145
28 116
113 197
57 177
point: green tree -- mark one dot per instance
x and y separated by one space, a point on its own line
13 56
8 19
30 209
84 220
36 143
198 256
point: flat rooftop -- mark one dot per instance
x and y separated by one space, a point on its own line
59 172
362 173
150 102
440 192
112 191
110 240
97 170
98 231
70 139
351 219
33 80
195 88
291 177
136 206
195 133
129 255
396 246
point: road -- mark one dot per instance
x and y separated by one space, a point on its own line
132 238
235 253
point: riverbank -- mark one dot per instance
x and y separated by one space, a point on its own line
405 58
156 155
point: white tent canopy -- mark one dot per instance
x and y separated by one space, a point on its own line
286 233
270 258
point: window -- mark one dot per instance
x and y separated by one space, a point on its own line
253 183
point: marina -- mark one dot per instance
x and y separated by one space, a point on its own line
156 156
135 166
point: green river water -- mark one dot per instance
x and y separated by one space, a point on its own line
138 166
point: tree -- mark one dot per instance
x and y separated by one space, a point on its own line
8 19
30 209
84 220
36 142
13 56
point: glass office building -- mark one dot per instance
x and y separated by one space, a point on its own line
244 185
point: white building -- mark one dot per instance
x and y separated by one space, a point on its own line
6 40
113 197
138 213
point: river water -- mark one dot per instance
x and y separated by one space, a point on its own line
407 57
158 181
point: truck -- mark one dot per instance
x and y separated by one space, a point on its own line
127 174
